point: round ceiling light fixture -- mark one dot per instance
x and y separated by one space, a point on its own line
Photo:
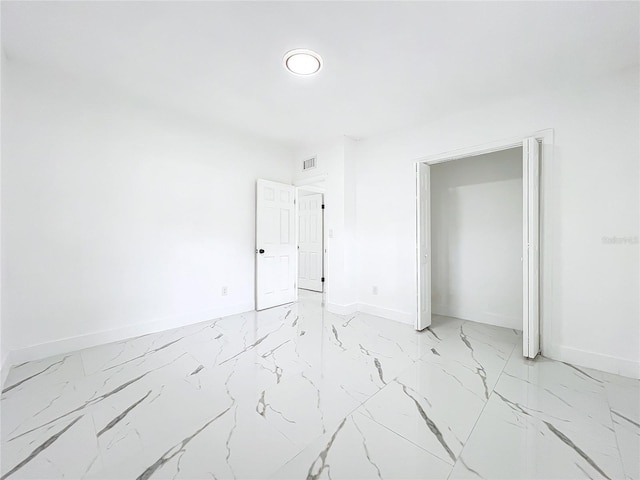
302 62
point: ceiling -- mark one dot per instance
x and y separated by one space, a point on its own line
387 65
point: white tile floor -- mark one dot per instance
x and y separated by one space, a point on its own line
297 392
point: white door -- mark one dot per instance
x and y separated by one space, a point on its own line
423 187
531 248
275 244
310 242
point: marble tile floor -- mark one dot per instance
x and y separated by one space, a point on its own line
296 392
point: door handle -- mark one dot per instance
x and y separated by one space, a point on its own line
260 251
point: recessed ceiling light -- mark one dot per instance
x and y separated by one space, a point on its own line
302 62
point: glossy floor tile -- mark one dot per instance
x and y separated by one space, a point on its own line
297 392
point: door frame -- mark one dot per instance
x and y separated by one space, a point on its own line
545 139
321 191
307 184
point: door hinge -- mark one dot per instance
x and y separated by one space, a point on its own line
322 279
323 206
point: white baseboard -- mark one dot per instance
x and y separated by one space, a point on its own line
342 309
398 316
597 361
606 363
71 344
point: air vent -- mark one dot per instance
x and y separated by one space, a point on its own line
309 164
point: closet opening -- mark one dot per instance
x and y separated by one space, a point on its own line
478 237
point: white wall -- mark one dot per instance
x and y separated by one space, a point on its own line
119 218
476 238
336 164
590 288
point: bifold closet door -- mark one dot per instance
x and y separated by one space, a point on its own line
423 200
531 248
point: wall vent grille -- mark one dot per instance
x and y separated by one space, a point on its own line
309 164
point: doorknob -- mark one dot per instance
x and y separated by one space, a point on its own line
260 251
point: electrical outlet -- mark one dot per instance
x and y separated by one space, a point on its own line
224 291
375 289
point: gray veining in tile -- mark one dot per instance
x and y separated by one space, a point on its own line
298 392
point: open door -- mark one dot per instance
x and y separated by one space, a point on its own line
310 261
276 258
423 195
531 248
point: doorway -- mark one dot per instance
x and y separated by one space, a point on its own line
531 159
278 232
310 240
